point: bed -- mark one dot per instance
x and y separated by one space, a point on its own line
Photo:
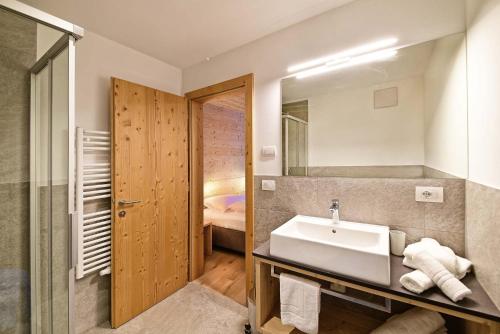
226 213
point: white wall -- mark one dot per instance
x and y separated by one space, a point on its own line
351 25
45 38
483 66
97 60
346 130
445 100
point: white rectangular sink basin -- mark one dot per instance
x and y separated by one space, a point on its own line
351 249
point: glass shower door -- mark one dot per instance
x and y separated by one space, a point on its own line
51 203
294 146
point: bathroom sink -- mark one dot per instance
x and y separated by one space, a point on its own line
351 249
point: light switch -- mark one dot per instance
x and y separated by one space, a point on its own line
269 185
429 194
268 151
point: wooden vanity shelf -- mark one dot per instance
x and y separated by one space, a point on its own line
349 294
479 314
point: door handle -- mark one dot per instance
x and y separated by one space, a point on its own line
128 201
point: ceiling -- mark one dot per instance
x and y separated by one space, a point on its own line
184 32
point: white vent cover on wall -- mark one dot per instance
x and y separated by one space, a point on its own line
385 98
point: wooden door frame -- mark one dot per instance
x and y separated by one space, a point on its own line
245 82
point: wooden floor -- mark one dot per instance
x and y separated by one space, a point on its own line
225 273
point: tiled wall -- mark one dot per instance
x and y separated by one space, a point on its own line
381 201
92 302
483 235
17 54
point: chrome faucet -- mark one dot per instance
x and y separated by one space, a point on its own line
334 210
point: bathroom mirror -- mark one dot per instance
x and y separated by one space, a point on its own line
400 113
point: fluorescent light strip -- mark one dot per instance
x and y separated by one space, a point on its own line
384 43
334 66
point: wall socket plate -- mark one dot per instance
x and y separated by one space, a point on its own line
269 185
429 194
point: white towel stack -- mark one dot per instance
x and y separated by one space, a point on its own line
300 303
418 281
414 321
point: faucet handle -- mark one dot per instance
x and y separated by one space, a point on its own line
335 204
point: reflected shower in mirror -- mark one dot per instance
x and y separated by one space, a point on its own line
402 114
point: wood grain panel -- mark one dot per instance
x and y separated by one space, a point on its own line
171 193
223 146
150 164
133 179
249 187
197 261
233 100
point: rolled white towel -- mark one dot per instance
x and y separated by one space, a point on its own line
416 281
446 281
442 330
414 321
464 266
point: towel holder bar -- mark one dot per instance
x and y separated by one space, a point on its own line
93 191
387 302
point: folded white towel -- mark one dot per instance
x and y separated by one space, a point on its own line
443 254
446 281
457 265
300 303
416 281
414 321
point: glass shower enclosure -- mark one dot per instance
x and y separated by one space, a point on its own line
294 143
37 87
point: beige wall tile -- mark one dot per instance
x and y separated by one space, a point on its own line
268 220
483 235
92 301
448 216
381 201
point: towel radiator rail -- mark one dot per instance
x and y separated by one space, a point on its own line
93 193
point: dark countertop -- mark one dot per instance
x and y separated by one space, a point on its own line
478 304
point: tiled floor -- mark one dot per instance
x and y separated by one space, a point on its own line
191 310
225 273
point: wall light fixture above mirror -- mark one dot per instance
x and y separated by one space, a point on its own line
397 112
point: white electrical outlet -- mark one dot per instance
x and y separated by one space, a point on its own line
429 194
269 185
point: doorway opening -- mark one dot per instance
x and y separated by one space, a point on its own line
221 187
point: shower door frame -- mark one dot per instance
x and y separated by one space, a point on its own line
72 33
67 41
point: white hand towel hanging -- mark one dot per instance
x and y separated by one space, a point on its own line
300 303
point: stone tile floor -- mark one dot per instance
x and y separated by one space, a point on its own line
191 310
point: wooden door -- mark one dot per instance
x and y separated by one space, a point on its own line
150 210
171 193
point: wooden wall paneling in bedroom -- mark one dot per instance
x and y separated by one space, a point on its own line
171 193
149 165
197 259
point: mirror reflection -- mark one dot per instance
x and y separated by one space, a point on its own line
402 114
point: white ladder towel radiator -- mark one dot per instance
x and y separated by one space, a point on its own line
93 193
